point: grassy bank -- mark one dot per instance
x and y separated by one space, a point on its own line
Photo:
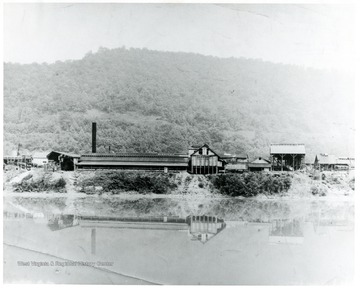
114 182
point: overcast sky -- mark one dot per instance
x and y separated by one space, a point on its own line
308 35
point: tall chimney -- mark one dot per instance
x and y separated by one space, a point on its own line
93 137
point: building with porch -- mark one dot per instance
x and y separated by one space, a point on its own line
287 156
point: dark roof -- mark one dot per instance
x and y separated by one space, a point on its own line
137 159
205 145
260 162
136 155
72 155
287 149
133 163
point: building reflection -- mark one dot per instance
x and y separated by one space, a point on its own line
204 228
290 231
60 221
200 228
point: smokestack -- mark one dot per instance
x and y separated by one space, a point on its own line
93 137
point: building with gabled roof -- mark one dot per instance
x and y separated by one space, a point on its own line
204 160
66 161
325 161
235 162
345 163
40 159
259 164
287 156
204 228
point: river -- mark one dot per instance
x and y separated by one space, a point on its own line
109 240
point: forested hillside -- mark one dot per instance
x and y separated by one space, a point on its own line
162 102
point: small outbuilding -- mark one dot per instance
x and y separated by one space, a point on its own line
345 163
325 162
40 159
235 163
259 164
66 161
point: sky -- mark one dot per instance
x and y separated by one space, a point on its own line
320 36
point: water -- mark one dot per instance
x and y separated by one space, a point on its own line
172 241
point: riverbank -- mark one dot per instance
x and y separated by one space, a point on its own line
188 198
141 255
130 184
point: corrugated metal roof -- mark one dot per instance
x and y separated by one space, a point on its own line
116 158
287 149
135 155
118 163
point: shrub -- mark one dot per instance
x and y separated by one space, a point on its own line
317 191
250 184
143 182
41 185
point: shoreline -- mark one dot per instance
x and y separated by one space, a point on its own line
136 195
336 187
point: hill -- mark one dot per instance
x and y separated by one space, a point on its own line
156 101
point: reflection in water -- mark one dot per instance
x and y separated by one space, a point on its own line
287 231
57 222
159 248
204 228
201 228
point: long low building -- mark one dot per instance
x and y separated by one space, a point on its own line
134 161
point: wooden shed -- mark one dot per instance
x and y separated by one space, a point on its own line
325 162
40 159
66 161
287 156
235 163
259 164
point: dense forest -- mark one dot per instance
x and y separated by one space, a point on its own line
154 101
